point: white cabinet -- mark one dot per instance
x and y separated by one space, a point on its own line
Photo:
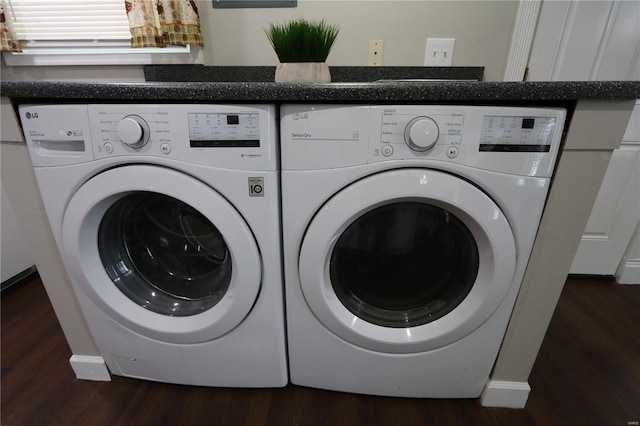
616 213
14 256
581 40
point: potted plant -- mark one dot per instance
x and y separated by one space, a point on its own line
302 47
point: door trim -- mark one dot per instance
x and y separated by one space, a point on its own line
522 40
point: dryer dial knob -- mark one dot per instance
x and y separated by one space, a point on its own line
133 131
421 134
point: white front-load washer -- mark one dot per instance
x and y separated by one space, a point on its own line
407 231
167 218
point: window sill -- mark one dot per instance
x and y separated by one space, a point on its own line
34 56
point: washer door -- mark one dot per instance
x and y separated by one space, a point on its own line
406 261
162 253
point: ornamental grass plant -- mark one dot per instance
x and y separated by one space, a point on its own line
300 40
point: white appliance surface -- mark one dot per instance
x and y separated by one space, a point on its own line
408 231
167 218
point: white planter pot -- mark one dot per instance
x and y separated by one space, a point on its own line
303 72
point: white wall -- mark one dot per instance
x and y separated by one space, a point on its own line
482 30
108 73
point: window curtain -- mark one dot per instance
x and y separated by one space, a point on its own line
160 23
8 41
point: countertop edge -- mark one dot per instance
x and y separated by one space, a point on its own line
322 92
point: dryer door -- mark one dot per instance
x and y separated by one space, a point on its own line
161 253
407 260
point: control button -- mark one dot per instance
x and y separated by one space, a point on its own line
452 152
165 148
421 134
133 131
108 148
387 150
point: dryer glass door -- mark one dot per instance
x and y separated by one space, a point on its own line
407 260
164 254
404 264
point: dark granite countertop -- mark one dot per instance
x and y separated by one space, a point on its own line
373 92
339 74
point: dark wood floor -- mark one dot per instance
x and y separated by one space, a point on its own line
587 373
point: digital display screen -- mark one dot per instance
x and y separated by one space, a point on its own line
221 130
517 134
528 123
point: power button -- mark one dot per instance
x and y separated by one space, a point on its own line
387 150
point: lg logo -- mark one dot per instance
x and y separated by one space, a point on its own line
31 115
302 116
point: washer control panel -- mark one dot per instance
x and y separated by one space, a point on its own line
228 136
516 140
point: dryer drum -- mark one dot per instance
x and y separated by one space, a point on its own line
163 254
404 264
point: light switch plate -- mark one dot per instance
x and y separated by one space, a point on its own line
439 52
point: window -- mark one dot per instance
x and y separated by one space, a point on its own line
80 32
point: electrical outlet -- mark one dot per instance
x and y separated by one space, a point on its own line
439 52
376 48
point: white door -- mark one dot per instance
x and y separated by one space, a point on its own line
587 40
406 261
161 253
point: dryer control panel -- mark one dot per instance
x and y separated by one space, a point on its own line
516 140
239 137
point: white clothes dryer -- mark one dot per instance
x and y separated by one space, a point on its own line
167 218
407 231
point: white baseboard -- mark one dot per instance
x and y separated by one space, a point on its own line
90 368
628 272
505 394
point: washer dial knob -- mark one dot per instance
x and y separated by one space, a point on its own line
133 131
421 133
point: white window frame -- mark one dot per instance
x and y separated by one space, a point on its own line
101 54
95 52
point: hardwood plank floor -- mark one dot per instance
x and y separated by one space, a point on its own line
587 373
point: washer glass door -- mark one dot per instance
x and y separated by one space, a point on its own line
406 260
161 253
164 254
